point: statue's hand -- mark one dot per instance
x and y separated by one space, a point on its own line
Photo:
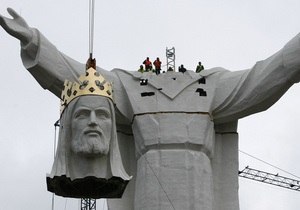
16 27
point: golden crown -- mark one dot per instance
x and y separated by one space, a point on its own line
90 84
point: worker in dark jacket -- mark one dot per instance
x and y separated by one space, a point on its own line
181 68
199 68
157 65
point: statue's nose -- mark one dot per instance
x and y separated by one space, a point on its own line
93 119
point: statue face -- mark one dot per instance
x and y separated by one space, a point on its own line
91 123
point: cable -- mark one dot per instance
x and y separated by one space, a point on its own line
103 204
159 181
66 203
56 124
155 175
52 201
91 27
269 164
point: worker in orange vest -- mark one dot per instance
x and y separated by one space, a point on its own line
148 64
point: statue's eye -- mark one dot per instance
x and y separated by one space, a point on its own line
82 114
102 114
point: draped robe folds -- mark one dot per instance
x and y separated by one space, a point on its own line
184 126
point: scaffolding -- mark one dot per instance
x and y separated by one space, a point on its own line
170 54
88 204
268 178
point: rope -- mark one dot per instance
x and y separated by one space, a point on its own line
270 164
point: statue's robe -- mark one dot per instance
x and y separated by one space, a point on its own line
184 126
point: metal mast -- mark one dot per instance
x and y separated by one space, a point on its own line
268 178
88 204
170 54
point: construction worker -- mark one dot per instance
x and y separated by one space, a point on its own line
199 68
157 65
170 69
151 68
141 69
148 64
182 69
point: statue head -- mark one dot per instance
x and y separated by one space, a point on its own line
88 136
88 155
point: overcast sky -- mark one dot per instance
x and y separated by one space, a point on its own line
233 34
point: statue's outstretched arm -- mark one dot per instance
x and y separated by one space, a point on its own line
16 27
49 67
255 90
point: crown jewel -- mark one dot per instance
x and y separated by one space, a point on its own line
89 84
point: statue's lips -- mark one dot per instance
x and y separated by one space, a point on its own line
93 132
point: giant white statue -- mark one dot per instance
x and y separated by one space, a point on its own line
184 125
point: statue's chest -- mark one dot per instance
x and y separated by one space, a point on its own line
169 93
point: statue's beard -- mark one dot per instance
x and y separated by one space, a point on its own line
90 146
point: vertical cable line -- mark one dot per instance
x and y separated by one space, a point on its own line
56 124
91 27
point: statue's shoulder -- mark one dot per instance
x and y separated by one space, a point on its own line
213 71
125 74
111 75
121 71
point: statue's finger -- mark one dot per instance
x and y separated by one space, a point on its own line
12 12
